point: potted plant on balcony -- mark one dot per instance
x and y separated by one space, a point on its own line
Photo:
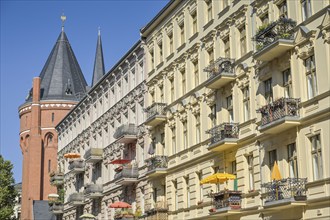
138 212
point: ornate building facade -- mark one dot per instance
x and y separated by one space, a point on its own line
236 87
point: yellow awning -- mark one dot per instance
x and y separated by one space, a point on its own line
276 174
218 178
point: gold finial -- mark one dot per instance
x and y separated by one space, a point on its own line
63 18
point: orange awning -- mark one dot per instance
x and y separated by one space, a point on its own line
120 204
72 155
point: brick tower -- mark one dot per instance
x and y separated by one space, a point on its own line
54 93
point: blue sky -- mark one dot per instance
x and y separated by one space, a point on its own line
29 30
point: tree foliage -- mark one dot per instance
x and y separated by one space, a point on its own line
7 190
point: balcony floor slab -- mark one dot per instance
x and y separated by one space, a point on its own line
280 125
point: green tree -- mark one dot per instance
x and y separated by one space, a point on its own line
7 190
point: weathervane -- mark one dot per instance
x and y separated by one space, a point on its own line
63 18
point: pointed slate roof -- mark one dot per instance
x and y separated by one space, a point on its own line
61 77
99 62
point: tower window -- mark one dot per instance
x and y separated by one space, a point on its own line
53 116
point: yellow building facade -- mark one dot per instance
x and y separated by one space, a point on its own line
212 87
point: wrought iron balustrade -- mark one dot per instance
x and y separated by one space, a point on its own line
127 172
156 162
156 108
285 189
280 29
221 66
279 109
126 129
57 178
223 131
227 198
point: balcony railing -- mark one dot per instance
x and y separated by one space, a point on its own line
56 208
156 162
93 190
227 199
220 72
57 179
76 199
93 155
126 175
223 131
284 189
77 166
279 109
155 114
280 29
160 206
126 132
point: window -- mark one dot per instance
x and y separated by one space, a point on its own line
292 159
234 171
201 194
242 34
251 171
181 27
214 114
160 46
229 100
172 89
246 103
283 10
311 76
287 83
316 157
209 10
194 22
152 61
306 9
183 78
176 197
188 191
155 195
272 159
49 165
53 116
268 90
198 128
196 73
227 47
173 140
170 40
185 135
211 55
161 90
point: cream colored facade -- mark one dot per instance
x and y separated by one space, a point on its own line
262 96
220 86
105 126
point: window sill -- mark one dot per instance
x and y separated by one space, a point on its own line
208 24
181 47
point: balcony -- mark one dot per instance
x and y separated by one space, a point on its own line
126 133
157 211
155 114
77 166
279 115
93 155
93 191
223 136
274 39
76 199
56 209
57 179
220 73
156 166
226 202
289 191
126 175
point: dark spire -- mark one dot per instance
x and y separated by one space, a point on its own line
99 62
61 77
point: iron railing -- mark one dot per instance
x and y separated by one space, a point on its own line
227 198
221 66
93 188
156 162
127 172
223 131
76 164
285 189
57 179
126 129
156 108
280 29
158 206
279 109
